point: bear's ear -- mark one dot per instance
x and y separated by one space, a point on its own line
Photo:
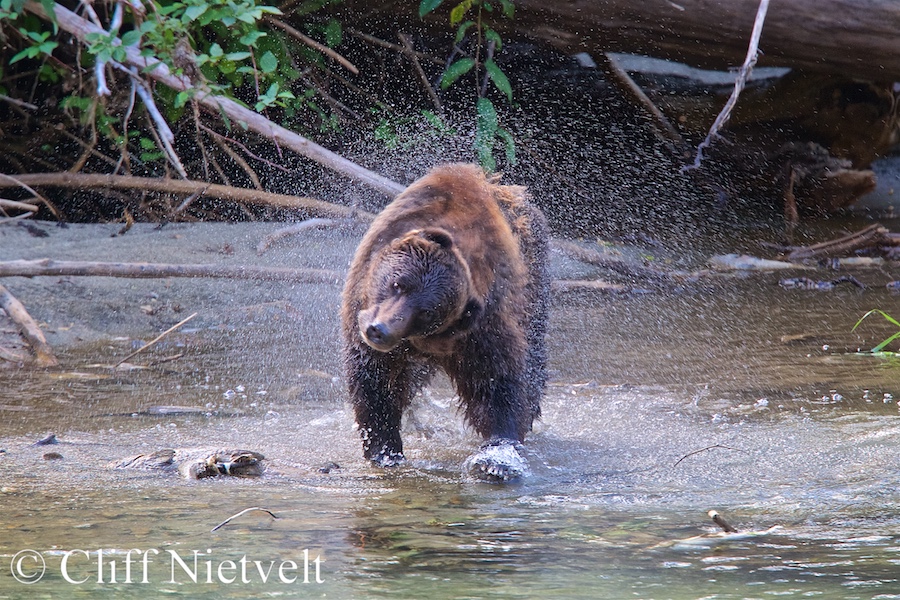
441 237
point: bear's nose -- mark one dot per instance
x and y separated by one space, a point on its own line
377 333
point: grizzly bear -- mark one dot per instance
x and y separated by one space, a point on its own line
451 275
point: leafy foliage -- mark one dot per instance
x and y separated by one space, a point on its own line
879 349
488 133
225 43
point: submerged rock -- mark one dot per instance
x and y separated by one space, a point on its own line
744 262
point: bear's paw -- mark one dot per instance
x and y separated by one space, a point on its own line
388 459
498 461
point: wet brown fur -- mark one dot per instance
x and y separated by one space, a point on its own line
497 362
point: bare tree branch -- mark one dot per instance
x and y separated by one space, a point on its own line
65 268
739 82
43 354
80 28
180 186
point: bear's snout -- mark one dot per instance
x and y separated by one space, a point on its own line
377 333
381 329
379 336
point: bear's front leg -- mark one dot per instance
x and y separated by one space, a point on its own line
379 391
489 376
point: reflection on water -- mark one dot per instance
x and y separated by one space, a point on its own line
662 407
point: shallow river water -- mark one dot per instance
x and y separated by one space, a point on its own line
662 406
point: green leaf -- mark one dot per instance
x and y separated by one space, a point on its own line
887 317
487 117
181 98
461 31
237 56
268 62
268 99
426 6
883 344
492 36
509 145
215 51
485 130
193 12
459 11
455 71
131 38
509 9
333 33
499 78
26 53
50 8
249 39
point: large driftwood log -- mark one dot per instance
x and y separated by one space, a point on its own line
856 38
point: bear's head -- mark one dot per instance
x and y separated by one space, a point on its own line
420 290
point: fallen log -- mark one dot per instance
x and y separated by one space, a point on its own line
855 38
183 186
43 354
63 268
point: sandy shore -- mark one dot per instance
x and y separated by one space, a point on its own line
75 310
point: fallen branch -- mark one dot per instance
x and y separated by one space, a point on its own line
721 522
410 53
663 124
43 354
156 339
80 28
60 268
19 103
14 205
12 356
17 218
162 127
9 181
179 186
302 226
872 234
242 513
385 44
313 44
714 446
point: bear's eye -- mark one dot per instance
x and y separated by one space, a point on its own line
398 289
